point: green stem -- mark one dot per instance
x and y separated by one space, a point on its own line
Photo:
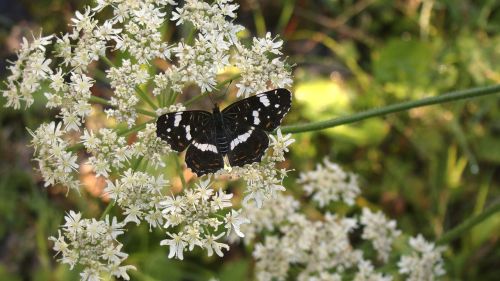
258 17
108 62
451 96
144 96
181 173
107 210
146 112
99 100
134 129
468 224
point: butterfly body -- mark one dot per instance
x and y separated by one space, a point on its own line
221 132
238 131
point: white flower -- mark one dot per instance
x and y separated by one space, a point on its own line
380 231
233 221
176 245
212 245
222 200
425 263
279 144
329 183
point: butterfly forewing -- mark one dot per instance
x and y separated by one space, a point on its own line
178 129
264 111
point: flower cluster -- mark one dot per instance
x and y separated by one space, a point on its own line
264 180
139 194
195 212
93 245
150 146
27 72
256 66
124 80
302 248
108 149
379 230
56 162
425 262
330 183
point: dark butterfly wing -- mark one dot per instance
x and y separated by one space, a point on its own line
179 129
196 131
247 146
264 111
202 156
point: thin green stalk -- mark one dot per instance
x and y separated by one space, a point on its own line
134 129
107 210
144 96
258 17
108 62
451 96
181 173
171 98
468 224
99 100
286 14
146 112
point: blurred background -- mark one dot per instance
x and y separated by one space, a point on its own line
429 168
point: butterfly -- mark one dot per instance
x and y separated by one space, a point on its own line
236 134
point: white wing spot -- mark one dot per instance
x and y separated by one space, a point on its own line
168 130
188 132
205 147
241 138
276 105
256 120
178 118
264 100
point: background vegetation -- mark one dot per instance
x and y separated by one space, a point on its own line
430 168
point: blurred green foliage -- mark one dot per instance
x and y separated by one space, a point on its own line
429 168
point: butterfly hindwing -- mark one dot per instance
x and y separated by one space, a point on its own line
264 111
178 129
247 146
202 155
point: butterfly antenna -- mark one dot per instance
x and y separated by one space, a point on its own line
212 100
227 88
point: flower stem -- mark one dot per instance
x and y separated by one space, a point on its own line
447 97
99 100
469 223
144 96
181 172
107 210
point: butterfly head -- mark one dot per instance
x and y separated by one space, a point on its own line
216 108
